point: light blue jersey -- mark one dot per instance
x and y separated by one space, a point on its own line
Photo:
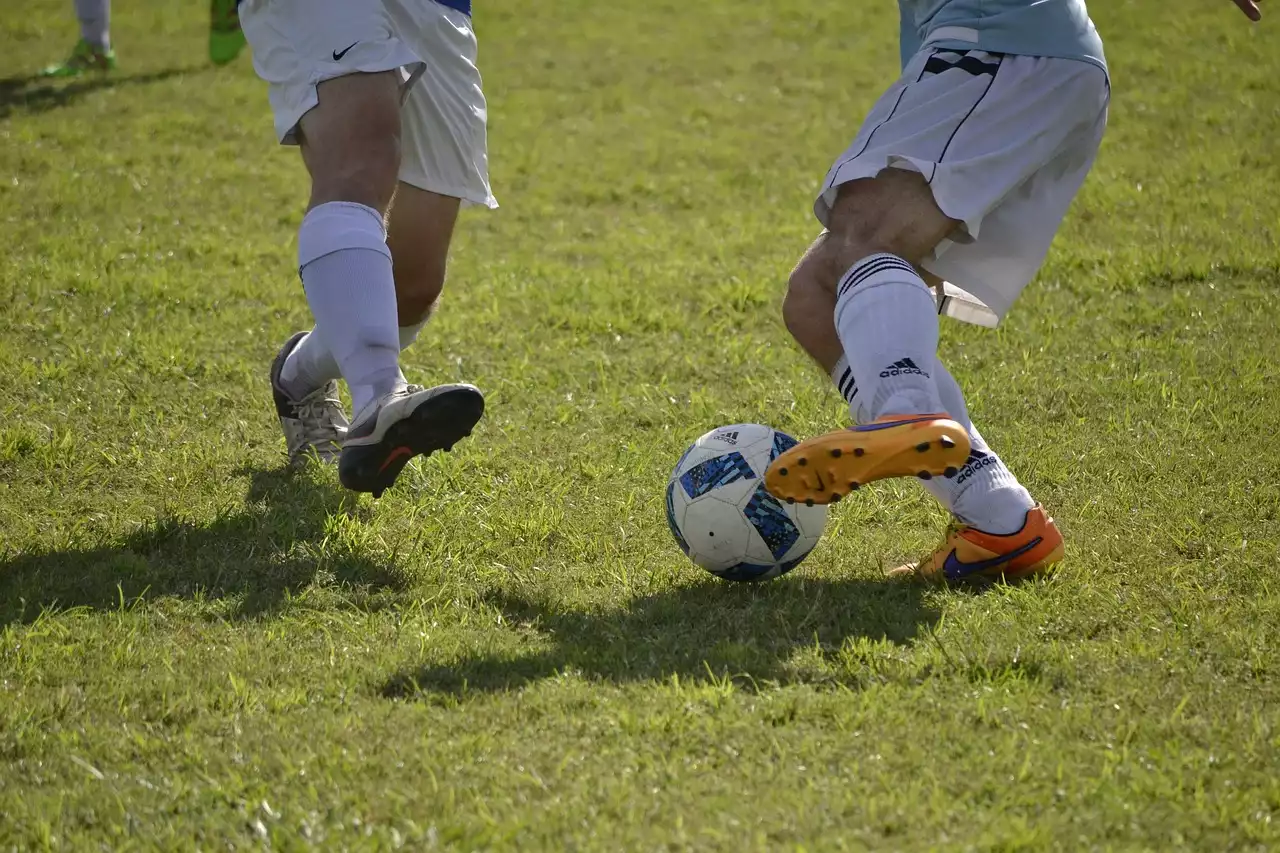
1057 28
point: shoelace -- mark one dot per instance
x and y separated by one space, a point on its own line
320 418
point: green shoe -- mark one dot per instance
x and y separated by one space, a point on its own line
83 59
226 39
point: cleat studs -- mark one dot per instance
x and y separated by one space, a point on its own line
837 453
835 497
925 475
946 442
923 447
791 501
783 472
858 451
809 502
951 472
854 485
802 461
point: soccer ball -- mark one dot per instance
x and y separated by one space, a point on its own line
721 514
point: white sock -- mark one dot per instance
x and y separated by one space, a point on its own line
346 271
95 19
985 493
887 319
311 365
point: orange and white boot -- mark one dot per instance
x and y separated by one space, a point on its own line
970 554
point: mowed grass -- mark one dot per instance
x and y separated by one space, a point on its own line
507 651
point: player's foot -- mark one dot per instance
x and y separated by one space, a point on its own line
226 39
822 470
414 421
970 554
314 426
83 59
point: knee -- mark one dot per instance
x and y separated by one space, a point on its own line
419 282
894 213
855 241
810 289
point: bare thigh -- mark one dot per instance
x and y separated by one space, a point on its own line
351 140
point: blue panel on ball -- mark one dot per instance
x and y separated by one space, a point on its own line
714 473
747 572
771 521
781 444
671 519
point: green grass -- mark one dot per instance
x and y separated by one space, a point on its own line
508 651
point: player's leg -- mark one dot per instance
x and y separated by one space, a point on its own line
443 164
1041 155
1000 529
353 154
886 325
334 70
93 51
995 516
999 520
984 493
350 144
419 230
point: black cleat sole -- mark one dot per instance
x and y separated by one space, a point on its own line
436 424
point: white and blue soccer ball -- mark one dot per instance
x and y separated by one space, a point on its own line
721 514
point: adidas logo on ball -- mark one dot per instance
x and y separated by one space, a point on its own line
727 437
901 368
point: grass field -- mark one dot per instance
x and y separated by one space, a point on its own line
508 651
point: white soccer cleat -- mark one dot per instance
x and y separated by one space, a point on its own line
314 426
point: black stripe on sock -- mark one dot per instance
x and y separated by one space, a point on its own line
861 273
846 385
867 269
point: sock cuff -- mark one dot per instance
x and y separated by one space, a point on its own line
409 334
337 225
874 266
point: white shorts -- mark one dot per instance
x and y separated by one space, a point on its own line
298 44
1005 142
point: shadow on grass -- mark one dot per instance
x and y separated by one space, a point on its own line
35 94
256 554
752 634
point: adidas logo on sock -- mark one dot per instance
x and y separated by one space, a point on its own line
902 368
976 462
727 437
